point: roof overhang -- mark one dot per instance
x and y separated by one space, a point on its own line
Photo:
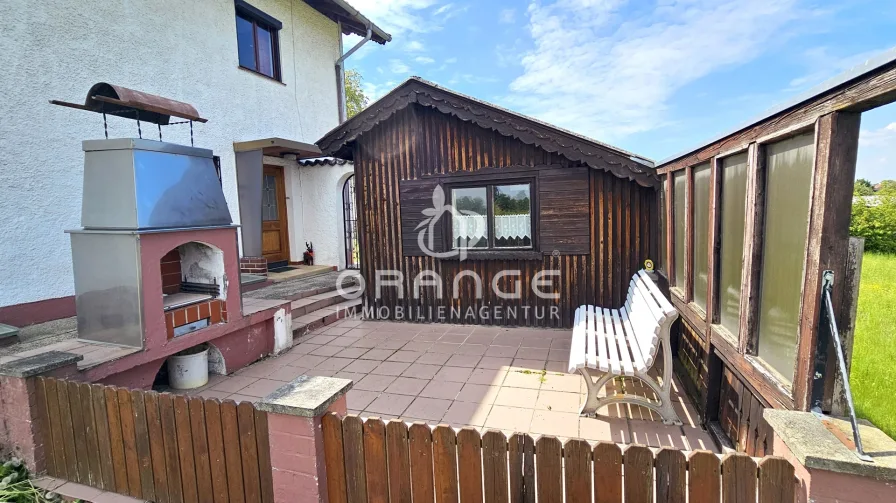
277 147
352 21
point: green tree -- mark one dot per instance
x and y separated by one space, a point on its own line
863 187
887 188
355 100
876 222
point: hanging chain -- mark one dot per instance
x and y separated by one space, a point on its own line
191 133
139 131
160 132
105 126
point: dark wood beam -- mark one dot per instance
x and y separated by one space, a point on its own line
752 257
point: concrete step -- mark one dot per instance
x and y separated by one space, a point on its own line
321 300
306 323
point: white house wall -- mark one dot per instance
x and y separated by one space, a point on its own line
57 49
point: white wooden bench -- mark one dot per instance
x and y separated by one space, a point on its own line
624 342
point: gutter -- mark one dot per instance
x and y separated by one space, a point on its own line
340 69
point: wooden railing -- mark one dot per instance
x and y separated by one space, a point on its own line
157 447
375 461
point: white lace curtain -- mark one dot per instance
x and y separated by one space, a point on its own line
474 227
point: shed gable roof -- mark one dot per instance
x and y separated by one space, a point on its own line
531 131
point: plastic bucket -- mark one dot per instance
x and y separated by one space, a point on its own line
188 371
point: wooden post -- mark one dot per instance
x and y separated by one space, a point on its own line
753 232
689 235
836 148
850 286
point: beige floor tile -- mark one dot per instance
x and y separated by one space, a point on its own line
479 393
485 340
357 399
463 361
320 372
453 338
210 393
488 376
407 386
261 388
428 409
390 368
446 348
237 397
523 379
365 342
433 358
304 348
260 369
562 424
472 349
233 384
556 366
527 364
558 401
501 351
352 352
337 331
391 344
462 413
343 341
308 361
374 382
335 364
377 354
390 404
569 383
535 342
517 397
604 429
353 376
509 418
532 353
656 434
455 374
321 339
326 350
442 389
558 355
417 346
421 371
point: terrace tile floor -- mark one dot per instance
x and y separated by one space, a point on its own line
511 379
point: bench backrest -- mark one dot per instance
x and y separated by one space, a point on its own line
648 310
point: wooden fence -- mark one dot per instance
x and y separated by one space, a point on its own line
157 447
374 461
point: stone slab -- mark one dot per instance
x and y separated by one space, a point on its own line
39 364
816 447
306 396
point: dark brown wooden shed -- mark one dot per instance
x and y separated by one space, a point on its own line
591 209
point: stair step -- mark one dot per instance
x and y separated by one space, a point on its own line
312 303
306 323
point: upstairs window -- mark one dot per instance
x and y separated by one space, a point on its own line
492 216
257 36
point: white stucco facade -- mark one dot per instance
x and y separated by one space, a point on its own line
187 51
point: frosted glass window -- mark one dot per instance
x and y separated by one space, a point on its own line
701 234
660 258
786 229
269 209
679 236
733 206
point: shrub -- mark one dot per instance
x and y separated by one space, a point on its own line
876 222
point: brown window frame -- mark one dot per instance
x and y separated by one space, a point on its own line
490 217
272 25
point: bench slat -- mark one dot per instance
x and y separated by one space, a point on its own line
625 358
597 329
664 303
644 296
577 346
613 355
591 358
633 341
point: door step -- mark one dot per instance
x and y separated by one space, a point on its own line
317 301
302 325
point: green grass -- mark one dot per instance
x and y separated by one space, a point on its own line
873 375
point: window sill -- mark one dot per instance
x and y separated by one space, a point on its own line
502 255
253 72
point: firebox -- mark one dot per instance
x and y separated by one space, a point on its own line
157 256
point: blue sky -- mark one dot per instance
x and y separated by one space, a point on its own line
654 77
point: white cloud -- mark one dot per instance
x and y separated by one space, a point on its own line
822 64
606 77
424 60
877 154
414 46
398 66
399 16
507 16
376 91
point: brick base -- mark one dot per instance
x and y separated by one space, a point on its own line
254 265
19 429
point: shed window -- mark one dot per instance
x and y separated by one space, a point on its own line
257 40
701 234
492 216
788 183
679 235
734 202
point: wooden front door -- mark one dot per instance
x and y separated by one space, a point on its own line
274 224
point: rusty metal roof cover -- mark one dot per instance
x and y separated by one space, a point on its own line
131 104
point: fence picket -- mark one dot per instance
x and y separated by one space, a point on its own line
444 462
375 460
55 428
68 436
196 408
116 442
469 465
185 449
398 461
776 482
262 436
671 476
249 451
156 446
638 480
549 469
104 443
353 451
172 460
522 468
577 470
704 477
144 454
334 458
40 392
494 467
216 456
90 436
420 455
738 479
231 439
607 473
77 415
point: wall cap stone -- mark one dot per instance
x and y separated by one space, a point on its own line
306 396
816 447
39 364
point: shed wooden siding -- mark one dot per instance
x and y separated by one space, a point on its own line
418 142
